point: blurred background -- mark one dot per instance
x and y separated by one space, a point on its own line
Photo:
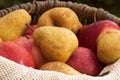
109 5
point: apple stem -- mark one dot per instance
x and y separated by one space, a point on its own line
95 17
29 27
27 36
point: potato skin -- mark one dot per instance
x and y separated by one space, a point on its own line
108 46
61 17
60 67
56 43
13 24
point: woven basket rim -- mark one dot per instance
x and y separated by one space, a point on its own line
87 12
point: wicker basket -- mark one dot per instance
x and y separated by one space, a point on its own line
85 13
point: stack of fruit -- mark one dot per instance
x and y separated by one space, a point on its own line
59 42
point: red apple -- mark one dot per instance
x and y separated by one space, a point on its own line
85 61
28 44
14 52
30 29
25 42
88 34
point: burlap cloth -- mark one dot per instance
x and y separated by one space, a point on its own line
10 70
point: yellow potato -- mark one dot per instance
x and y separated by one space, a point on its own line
61 17
60 67
13 24
56 43
108 46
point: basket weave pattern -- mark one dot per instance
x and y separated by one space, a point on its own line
87 12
